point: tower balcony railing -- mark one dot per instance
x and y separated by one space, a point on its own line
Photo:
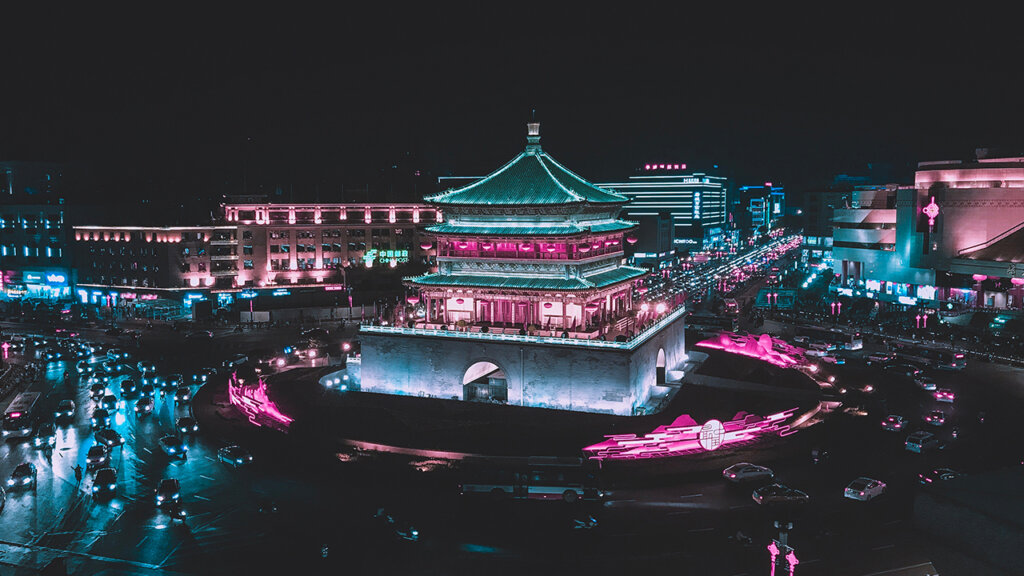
527 255
630 344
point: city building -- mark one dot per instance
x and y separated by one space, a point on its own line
531 303
818 212
34 258
696 201
259 249
759 208
953 238
654 248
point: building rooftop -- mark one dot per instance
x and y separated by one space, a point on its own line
567 229
531 178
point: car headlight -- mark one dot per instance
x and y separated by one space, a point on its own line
239 460
26 480
159 498
170 449
10 482
176 495
95 488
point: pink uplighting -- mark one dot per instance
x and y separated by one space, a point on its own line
253 401
683 437
761 347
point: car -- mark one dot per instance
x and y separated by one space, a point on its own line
116 354
147 391
746 472
109 365
98 391
173 446
45 436
935 418
173 381
143 367
153 378
97 456
921 442
168 492
24 476
99 377
105 483
864 489
234 456
925 383
187 425
109 403
879 358
204 374
144 406
100 419
779 494
113 331
235 361
904 369
894 423
935 475
199 335
828 359
128 387
944 395
183 394
396 528
65 410
801 340
84 367
108 438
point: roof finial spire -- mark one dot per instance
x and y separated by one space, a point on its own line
533 135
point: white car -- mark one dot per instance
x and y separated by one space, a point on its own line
925 383
944 395
864 489
935 418
879 358
747 472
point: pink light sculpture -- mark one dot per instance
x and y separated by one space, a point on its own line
978 277
253 401
761 347
685 436
931 211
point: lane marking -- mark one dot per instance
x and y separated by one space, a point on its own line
701 529
900 569
148 451
678 513
142 541
884 547
201 497
207 477
692 495
740 506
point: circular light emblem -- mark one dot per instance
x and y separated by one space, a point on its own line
711 435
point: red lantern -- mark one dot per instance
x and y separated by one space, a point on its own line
414 300
547 304
631 239
488 246
526 247
551 248
584 248
592 307
979 277
462 245
426 245
1017 281
460 301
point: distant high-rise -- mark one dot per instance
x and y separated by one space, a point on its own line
695 200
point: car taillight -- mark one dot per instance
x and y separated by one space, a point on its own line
861 493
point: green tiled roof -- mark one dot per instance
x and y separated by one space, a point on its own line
553 230
531 178
596 281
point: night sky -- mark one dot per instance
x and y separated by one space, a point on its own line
183 99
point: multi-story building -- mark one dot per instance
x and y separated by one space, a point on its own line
34 258
761 206
258 247
954 237
818 211
531 303
695 200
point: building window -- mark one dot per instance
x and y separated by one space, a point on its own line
356 246
356 233
246 234
247 250
305 234
247 264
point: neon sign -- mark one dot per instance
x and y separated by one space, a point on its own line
281 292
247 294
55 278
253 401
685 436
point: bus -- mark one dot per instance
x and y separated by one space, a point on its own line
709 324
20 415
533 478
931 357
832 339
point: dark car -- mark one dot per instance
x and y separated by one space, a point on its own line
108 438
98 391
173 381
174 447
182 395
45 436
234 456
199 335
128 387
109 403
779 494
100 419
105 483
65 410
935 475
24 476
97 456
397 529
144 406
204 374
168 492
147 391
187 425
908 370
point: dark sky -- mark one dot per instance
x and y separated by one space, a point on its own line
168 101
